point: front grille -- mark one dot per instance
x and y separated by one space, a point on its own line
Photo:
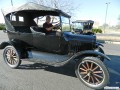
74 46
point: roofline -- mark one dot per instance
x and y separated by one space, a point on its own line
20 10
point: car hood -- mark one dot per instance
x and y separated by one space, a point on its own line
69 36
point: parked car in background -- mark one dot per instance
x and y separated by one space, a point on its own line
83 26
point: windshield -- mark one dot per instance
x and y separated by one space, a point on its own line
78 26
65 23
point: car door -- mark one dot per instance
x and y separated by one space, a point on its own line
26 37
49 43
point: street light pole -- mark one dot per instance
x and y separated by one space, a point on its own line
11 12
106 14
11 2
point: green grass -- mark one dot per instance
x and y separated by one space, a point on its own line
2 26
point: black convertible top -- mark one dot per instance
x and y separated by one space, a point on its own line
35 8
28 12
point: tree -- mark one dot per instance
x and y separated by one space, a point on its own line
104 26
118 25
67 6
2 26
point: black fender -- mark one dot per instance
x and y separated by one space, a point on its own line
11 42
17 45
90 53
80 55
99 44
4 44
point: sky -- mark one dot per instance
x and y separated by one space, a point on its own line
87 9
96 9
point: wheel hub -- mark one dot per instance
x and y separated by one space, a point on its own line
89 73
11 56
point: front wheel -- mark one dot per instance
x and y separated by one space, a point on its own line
92 72
11 56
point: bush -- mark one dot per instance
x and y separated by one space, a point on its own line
66 28
95 30
2 27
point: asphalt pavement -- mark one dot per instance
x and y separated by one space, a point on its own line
32 76
113 51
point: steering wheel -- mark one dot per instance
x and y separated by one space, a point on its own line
57 23
57 26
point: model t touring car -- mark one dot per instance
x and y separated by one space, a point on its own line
83 26
29 41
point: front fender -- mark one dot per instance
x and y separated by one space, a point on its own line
81 54
91 53
99 44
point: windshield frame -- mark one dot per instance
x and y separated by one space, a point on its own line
61 23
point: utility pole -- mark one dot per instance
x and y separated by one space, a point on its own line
106 14
11 12
11 2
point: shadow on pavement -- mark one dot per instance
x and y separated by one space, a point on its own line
114 70
68 69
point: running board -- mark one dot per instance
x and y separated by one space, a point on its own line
47 58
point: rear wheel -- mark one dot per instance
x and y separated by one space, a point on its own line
92 72
11 56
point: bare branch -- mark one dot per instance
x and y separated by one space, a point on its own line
67 6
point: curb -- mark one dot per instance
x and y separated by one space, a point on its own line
108 42
112 42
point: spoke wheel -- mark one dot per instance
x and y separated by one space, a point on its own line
92 72
11 57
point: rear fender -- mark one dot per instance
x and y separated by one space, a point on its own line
21 51
12 43
4 44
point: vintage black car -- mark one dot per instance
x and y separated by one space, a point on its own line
29 41
83 26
